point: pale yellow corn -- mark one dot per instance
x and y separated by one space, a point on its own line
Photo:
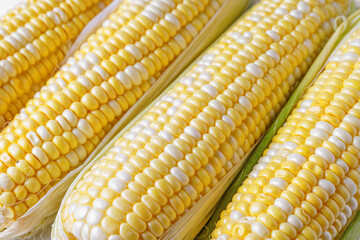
67 119
306 186
202 127
34 39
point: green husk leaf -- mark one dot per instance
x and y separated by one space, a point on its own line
36 217
340 35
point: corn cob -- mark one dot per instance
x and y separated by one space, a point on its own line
306 186
34 39
191 138
67 119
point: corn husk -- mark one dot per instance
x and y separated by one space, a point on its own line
343 31
191 223
180 230
37 216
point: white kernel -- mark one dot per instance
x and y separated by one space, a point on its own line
55 17
295 221
101 204
120 157
279 182
337 142
297 158
309 44
229 121
81 212
281 11
221 157
150 131
13 41
236 215
245 102
178 102
191 191
85 127
6 183
117 185
8 67
134 50
343 135
34 139
124 176
353 203
79 135
150 15
284 205
326 154
76 228
260 229
223 236
193 132
40 155
327 127
97 233
306 103
174 151
352 120
254 70
355 42
297 14
319 133
130 136
115 237
289 145
124 79
347 211
166 135
172 19
342 219
303 7
272 152
144 73
181 41
327 185
217 105
342 164
274 55
62 14
349 56
187 80
180 175
326 236
210 170
171 110
192 29
350 185
91 57
273 35
210 90
248 34
70 117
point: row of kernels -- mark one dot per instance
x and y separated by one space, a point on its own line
50 39
307 180
41 70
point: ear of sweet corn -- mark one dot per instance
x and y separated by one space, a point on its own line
34 39
306 186
68 118
201 128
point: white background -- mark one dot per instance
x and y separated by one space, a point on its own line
7 4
